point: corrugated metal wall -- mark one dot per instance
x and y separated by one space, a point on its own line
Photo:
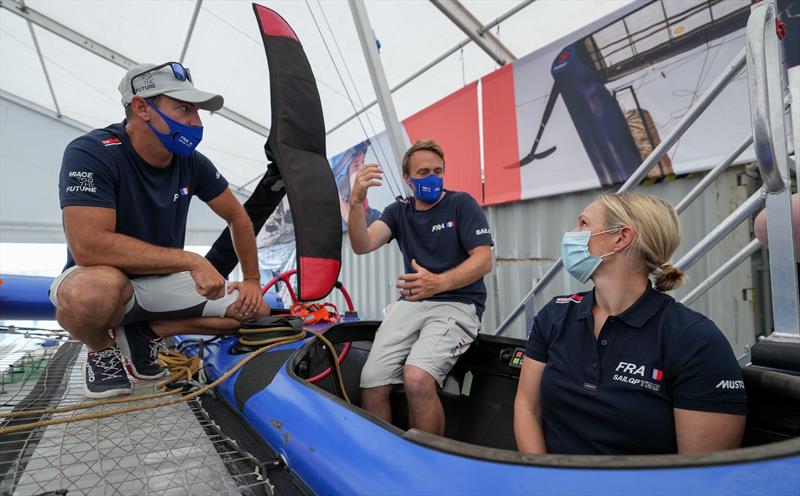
527 241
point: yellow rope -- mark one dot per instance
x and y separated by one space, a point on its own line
87 404
179 365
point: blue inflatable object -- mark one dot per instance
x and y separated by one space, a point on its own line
25 298
337 448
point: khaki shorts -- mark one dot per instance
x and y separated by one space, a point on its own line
167 297
430 335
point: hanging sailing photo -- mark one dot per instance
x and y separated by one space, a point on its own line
588 110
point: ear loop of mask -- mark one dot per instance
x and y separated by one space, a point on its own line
604 232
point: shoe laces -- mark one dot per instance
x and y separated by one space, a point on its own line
108 362
156 346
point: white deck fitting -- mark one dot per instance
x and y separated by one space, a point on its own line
168 450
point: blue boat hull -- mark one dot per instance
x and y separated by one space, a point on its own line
336 448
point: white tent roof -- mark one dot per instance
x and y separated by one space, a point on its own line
225 55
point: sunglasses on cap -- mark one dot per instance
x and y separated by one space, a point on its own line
180 72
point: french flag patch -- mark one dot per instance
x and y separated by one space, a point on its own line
451 224
183 191
570 299
111 142
657 374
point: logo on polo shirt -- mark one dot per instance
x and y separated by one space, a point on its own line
85 182
111 142
485 230
657 375
729 384
626 372
181 192
570 299
444 225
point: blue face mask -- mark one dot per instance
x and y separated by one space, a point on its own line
429 188
182 139
576 257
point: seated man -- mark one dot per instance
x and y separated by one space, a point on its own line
125 193
446 245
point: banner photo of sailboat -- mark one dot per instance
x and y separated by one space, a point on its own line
583 112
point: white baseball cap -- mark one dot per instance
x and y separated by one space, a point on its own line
171 79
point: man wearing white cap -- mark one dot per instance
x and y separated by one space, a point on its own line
125 193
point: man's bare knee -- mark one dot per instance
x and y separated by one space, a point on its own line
91 296
262 310
417 382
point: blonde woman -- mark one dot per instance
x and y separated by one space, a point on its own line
625 368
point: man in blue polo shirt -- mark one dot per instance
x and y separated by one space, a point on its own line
125 193
446 245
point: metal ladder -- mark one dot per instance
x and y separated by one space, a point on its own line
768 83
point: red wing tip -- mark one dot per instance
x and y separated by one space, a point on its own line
272 24
322 275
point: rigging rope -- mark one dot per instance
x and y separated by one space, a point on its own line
181 368
392 181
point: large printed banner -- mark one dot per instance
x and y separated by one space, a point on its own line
584 111
345 165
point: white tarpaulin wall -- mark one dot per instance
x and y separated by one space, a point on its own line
225 55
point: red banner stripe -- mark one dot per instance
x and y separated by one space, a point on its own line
502 182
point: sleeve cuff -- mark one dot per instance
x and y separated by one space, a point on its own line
536 355
214 193
87 203
479 243
732 406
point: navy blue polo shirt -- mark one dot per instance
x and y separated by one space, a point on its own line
616 394
440 239
101 169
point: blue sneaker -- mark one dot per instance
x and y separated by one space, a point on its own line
104 374
140 347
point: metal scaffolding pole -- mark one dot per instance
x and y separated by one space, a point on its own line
110 55
397 138
35 107
701 289
469 24
713 174
741 214
189 33
765 73
433 63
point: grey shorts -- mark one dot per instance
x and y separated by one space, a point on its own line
430 335
167 297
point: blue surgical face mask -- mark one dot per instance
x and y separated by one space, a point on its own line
181 139
429 188
575 254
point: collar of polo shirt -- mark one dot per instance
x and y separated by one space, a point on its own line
636 315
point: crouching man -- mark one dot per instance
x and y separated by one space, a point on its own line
125 193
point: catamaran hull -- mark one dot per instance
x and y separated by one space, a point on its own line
338 449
